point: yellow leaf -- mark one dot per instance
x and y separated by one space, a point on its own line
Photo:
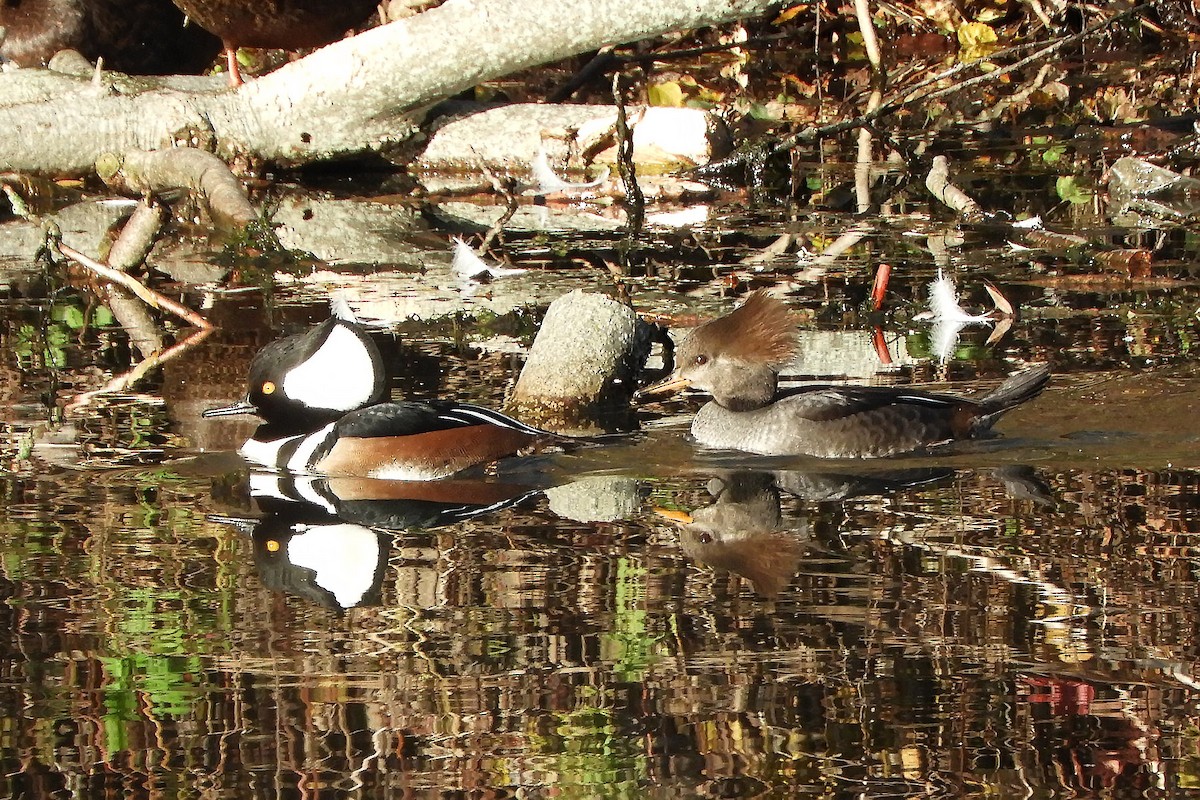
975 34
665 94
975 41
789 13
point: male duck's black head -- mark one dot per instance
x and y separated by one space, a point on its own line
311 378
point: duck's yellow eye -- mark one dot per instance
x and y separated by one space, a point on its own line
268 387
272 546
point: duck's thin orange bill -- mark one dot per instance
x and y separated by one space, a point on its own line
679 517
671 385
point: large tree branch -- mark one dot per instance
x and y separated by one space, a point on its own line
352 97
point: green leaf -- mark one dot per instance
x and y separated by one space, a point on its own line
1072 190
1054 154
71 316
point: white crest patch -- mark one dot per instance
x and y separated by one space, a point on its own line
344 558
339 376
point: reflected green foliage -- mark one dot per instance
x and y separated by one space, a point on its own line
635 646
592 757
42 348
920 345
137 685
75 316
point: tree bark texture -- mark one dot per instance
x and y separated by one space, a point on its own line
356 96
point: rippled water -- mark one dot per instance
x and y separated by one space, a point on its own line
1011 618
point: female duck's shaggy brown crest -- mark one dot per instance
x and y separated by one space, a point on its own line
142 37
761 331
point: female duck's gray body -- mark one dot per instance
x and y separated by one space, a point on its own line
737 359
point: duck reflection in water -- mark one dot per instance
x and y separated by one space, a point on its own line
1092 735
327 539
745 532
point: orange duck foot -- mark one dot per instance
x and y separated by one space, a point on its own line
235 71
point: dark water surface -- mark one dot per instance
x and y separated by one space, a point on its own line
1013 618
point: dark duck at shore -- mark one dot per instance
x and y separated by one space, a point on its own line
139 37
282 24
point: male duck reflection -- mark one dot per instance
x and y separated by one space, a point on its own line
737 359
319 394
328 539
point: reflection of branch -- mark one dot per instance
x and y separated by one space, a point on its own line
127 379
148 295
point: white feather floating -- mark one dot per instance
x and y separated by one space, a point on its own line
546 181
468 264
948 317
339 306
943 303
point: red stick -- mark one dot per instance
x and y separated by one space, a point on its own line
882 275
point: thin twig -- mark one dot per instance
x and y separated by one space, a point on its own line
506 187
635 201
149 296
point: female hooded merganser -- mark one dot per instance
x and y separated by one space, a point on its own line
737 359
318 393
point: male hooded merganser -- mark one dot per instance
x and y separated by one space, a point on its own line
318 393
737 359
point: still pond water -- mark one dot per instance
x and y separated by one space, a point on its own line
1014 618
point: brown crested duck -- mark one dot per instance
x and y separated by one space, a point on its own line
737 359
140 37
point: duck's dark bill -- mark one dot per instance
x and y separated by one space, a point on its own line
244 524
229 411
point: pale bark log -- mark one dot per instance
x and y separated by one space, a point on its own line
353 97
